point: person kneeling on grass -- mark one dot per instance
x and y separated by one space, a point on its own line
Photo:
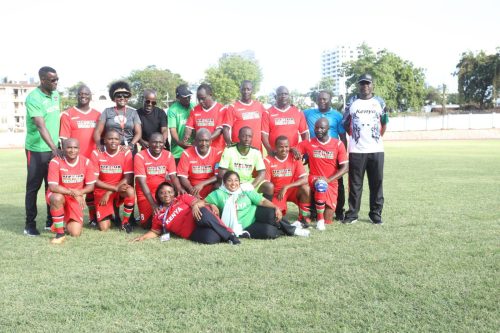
187 217
114 170
248 213
69 179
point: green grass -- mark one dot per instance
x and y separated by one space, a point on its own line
433 265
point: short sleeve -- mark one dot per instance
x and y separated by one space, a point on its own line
94 160
183 166
225 160
340 126
259 161
171 169
90 176
300 171
171 118
301 147
135 117
188 199
255 198
139 169
190 120
268 169
33 108
212 199
162 118
341 153
128 167
302 123
265 122
65 130
53 174
228 116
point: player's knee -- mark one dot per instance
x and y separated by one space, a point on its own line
130 192
105 224
74 228
267 188
304 192
320 186
57 199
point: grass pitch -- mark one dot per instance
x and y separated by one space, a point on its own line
433 265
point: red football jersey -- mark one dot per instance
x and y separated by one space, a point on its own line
283 172
154 169
239 114
210 119
289 122
111 168
323 157
80 125
179 219
198 168
73 176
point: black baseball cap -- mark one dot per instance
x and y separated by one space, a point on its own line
365 77
183 91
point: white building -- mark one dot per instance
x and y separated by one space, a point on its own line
12 105
331 65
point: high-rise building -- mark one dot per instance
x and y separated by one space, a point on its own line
331 66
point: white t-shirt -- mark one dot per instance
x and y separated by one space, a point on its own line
366 118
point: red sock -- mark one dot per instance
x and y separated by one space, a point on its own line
128 208
89 200
58 220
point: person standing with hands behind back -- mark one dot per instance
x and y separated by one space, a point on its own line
121 118
365 119
42 132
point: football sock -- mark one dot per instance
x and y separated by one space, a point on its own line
304 210
58 220
89 200
128 208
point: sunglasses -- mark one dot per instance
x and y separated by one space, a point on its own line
54 80
149 102
122 95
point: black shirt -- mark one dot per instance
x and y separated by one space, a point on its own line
152 122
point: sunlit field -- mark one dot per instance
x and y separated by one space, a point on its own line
433 265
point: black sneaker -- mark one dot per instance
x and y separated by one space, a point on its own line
376 221
48 225
127 227
93 224
349 221
233 240
31 231
340 217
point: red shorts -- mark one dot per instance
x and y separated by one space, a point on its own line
290 196
72 209
104 211
206 191
331 193
145 210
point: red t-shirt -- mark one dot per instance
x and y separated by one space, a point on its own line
198 168
80 125
179 220
73 176
239 114
324 158
154 169
110 169
210 119
284 172
289 122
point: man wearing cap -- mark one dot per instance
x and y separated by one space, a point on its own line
337 131
365 119
177 115
42 132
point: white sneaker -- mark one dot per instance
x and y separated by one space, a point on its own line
297 224
320 225
301 232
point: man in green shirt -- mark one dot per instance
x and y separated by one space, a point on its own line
245 159
177 116
42 133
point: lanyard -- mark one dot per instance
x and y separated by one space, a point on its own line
122 121
164 220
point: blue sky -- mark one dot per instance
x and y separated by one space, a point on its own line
99 41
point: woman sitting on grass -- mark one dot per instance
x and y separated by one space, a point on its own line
248 213
187 217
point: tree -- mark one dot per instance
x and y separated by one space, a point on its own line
432 95
69 98
478 78
163 81
396 80
226 77
325 83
